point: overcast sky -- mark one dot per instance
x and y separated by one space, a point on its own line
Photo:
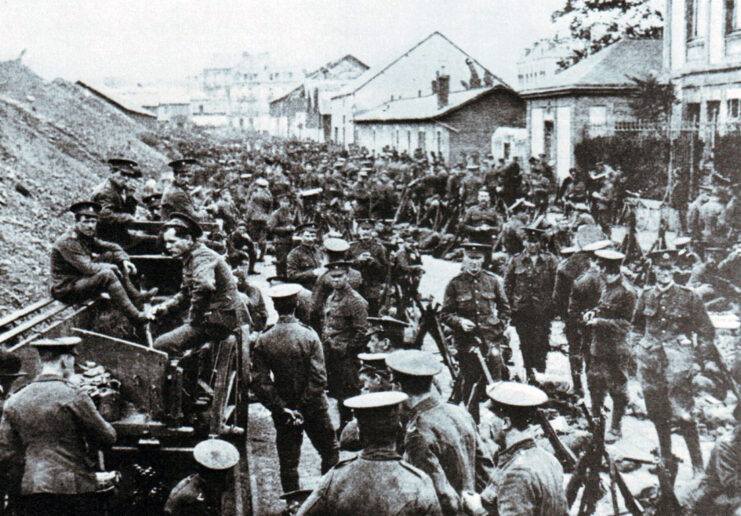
147 40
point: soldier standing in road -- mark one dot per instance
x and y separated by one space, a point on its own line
666 320
528 284
440 438
292 353
476 308
258 206
336 251
377 481
176 197
609 350
482 219
528 480
50 424
281 225
83 266
201 494
371 259
344 326
304 262
209 288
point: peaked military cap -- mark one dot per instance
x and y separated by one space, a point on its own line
152 197
89 208
663 255
515 394
580 206
609 255
569 250
534 230
339 265
127 167
181 220
181 164
336 245
376 359
261 181
682 241
283 290
307 226
596 246
413 362
376 400
367 223
60 345
476 247
216 454
311 192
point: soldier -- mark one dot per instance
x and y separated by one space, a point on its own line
116 198
209 287
686 260
440 438
666 319
371 259
344 325
477 309
304 262
292 353
471 184
377 481
253 300
387 334
11 473
83 266
609 350
153 204
481 220
281 225
201 493
407 271
583 296
710 218
528 480
528 284
258 206
303 302
336 251
51 424
176 197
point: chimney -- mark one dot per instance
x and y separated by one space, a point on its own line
443 89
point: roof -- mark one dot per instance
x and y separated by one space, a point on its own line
609 69
374 72
334 64
425 108
116 100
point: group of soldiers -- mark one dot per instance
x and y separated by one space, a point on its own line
347 231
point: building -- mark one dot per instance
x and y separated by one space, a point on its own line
237 90
305 111
702 51
446 123
130 109
588 99
539 63
408 76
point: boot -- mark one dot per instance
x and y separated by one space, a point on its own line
121 300
692 439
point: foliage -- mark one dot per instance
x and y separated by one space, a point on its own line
727 156
653 101
595 24
641 158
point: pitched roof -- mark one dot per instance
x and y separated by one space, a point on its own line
608 69
424 108
374 72
116 100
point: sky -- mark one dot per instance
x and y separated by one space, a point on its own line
153 40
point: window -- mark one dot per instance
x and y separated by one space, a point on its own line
713 110
397 139
409 140
696 18
733 15
734 108
200 109
421 141
439 143
507 148
692 113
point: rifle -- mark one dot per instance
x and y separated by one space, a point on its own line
431 324
725 374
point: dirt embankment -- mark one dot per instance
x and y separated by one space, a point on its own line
54 139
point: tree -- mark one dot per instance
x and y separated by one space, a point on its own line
595 24
653 99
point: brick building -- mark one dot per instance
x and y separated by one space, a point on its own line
305 111
587 99
446 123
408 76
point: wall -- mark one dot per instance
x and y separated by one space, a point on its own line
404 137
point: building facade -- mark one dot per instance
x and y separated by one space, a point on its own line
702 51
305 111
408 76
446 123
539 63
589 99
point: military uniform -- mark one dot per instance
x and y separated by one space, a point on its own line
478 216
710 218
300 265
215 305
585 294
609 349
281 225
344 326
117 210
442 440
322 290
176 199
257 211
528 284
377 481
482 300
50 423
372 270
527 481
293 354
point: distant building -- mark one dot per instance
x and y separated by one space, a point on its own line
408 76
446 123
305 111
237 91
588 99
702 51
540 62
124 105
